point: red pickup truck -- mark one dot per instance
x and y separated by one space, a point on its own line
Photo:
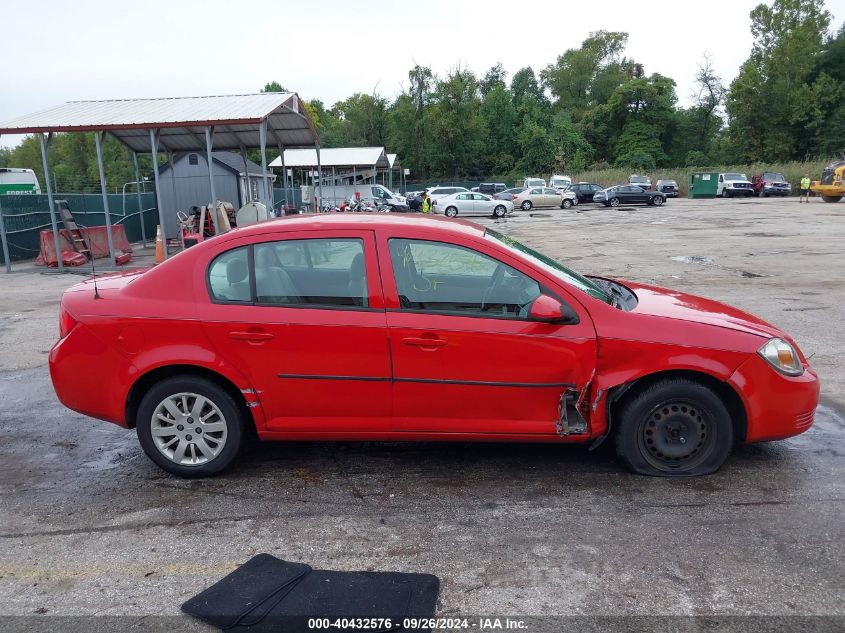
770 183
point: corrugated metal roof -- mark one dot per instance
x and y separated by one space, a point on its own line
180 121
334 157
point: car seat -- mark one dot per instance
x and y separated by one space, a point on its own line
273 284
357 286
236 274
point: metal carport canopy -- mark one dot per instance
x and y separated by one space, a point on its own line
180 121
174 124
334 157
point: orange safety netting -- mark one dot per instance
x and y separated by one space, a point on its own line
96 238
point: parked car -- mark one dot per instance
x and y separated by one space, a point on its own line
770 183
508 194
544 197
668 188
585 191
491 188
351 327
628 194
640 181
533 182
470 203
438 192
733 184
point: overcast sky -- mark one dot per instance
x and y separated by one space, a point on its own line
59 51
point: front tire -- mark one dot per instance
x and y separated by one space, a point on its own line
674 428
451 212
726 193
566 204
499 212
831 198
190 426
614 202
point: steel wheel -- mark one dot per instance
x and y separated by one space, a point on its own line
614 202
676 436
188 429
676 427
526 206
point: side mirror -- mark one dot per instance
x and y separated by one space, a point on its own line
549 310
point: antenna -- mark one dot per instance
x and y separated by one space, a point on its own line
94 274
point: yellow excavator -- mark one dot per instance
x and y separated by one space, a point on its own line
832 185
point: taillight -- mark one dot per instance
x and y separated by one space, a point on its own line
66 322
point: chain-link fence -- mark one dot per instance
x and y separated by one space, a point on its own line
25 216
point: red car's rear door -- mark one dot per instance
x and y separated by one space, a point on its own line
464 360
303 317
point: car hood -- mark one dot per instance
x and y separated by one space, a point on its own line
671 304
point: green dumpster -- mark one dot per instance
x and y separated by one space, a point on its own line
703 184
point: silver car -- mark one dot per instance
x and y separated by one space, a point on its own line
470 203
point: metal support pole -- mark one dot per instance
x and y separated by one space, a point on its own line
247 188
209 139
284 178
98 143
354 176
138 195
154 147
262 141
320 181
44 144
334 185
6 256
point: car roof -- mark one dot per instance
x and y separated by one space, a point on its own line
323 221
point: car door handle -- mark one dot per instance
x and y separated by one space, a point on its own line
423 342
252 337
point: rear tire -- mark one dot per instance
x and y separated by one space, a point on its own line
675 428
657 201
185 451
526 206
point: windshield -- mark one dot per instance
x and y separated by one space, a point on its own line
638 179
735 177
551 266
773 175
535 182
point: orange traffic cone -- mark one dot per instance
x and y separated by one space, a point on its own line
159 246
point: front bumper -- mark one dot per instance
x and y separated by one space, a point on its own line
777 406
777 191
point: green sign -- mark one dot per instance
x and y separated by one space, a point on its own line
16 189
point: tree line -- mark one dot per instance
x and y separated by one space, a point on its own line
592 108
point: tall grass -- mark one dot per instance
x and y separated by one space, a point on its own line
794 172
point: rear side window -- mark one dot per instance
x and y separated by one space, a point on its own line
228 276
305 273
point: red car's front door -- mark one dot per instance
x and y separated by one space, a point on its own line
303 318
466 358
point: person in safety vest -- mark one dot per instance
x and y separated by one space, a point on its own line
805 189
426 203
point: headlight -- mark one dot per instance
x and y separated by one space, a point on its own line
782 356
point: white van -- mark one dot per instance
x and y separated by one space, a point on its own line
529 183
559 182
15 181
335 194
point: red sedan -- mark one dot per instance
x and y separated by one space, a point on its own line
345 327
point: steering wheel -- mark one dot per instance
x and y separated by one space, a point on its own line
182 216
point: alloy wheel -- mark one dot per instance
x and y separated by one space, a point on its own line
188 429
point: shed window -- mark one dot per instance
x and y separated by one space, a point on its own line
193 159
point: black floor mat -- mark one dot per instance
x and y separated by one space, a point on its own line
267 594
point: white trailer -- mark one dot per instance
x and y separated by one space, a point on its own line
335 194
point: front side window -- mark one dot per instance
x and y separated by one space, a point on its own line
446 278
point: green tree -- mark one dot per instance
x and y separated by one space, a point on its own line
767 100
453 120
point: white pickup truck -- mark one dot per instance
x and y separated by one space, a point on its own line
734 184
